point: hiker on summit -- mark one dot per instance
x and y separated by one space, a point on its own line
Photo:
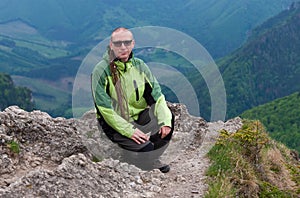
131 109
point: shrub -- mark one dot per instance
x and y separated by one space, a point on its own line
14 147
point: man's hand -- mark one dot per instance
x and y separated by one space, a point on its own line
139 137
164 131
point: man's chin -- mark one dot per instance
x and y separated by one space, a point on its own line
124 57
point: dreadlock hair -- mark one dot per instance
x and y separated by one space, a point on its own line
117 83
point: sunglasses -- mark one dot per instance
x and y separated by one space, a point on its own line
119 43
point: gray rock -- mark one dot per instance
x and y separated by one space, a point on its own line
71 158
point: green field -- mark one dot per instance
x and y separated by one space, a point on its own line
46 97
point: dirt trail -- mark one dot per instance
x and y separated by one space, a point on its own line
187 175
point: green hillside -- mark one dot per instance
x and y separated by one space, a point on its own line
265 68
12 95
27 57
281 118
55 99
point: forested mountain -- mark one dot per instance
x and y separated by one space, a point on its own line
281 118
267 66
11 95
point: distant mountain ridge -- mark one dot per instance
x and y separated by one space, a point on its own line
220 25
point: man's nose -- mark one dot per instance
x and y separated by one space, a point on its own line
123 45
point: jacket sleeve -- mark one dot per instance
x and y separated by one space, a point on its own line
103 104
161 110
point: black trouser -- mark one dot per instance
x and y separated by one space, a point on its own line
147 123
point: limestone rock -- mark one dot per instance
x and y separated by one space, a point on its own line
41 156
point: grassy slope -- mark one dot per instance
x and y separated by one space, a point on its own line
250 164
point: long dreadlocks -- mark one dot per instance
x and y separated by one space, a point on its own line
123 105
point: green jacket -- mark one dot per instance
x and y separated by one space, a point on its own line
141 89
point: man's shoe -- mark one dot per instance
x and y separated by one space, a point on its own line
164 168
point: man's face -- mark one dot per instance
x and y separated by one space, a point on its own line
122 44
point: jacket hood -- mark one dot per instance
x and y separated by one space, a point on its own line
105 56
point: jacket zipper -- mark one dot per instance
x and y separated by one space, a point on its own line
136 90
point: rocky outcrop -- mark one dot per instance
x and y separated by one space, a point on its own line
43 156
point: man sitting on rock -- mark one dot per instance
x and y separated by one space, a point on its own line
131 108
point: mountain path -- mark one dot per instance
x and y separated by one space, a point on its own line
187 175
